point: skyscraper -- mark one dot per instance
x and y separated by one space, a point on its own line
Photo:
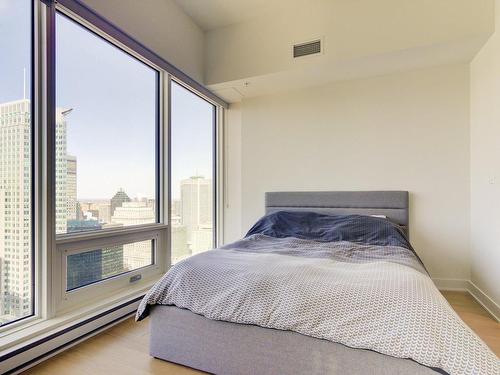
104 212
15 204
118 199
61 170
71 188
137 254
197 202
178 241
15 210
94 265
83 268
197 211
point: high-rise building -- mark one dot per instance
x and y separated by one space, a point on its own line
71 187
118 199
179 241
61 170
197 202
179 248
176 207
197 211
15 203
202 239
91 266
15 210
137 254
79 212
104 212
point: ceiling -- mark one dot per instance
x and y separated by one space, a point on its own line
214 14
247 43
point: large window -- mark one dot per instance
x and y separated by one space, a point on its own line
106 126
16 251
193 173
105 150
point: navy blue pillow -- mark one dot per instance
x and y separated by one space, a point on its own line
331 228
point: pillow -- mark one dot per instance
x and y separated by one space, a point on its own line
362 229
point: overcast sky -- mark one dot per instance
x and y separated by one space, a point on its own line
111 128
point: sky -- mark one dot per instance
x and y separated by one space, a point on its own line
15 48
111 129
192 137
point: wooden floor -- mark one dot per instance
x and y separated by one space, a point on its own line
123 349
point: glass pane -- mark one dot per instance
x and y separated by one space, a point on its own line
15 161
106 125
96 265
192 142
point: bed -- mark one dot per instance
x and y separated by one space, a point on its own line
246 309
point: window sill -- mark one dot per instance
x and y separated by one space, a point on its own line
36 329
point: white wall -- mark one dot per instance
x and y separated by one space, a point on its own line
485 166
160 25
406 131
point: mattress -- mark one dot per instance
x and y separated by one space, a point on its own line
180 336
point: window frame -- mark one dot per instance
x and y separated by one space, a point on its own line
79 242
217 164
159 109
34 168
52 307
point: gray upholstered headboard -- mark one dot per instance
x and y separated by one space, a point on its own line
393 204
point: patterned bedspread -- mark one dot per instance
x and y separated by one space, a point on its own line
363 296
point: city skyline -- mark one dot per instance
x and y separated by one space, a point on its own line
192 221
105 141
100 113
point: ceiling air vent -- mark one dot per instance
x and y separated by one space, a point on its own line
308 48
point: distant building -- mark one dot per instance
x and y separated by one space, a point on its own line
133 213
113 262
61 170
71 187
179 248
104 212
15 210
176 207
151 202
91 266
15 204
197 211
197 202
118 199
82 225
202 239
85 206
79 212
179 241
137 254
83 269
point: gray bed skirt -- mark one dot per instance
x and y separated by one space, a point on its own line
218 347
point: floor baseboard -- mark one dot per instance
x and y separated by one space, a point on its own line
468 286
484 300
452 284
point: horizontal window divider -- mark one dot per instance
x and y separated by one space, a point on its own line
120 233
